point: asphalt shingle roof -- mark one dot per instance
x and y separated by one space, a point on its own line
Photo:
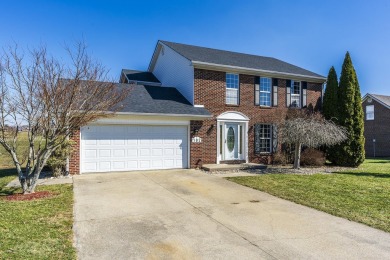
140 76
221 57
382 98
158 100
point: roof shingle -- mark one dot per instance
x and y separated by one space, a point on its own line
228 58
158 100
384 99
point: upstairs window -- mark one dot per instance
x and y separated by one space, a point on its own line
265 92
232 89
295 93
370 112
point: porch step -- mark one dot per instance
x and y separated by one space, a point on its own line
231 167
232 162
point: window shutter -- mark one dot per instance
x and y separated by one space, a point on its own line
257 138
288 93
257 91
275 92
274 138
304 93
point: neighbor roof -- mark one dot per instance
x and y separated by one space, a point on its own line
385 100
158 100
136 75
241 60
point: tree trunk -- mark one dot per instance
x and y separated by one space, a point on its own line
33 180
297 157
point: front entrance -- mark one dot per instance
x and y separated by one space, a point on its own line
232 137
231 141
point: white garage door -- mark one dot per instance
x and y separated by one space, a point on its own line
126 148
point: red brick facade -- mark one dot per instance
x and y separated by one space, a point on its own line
209 88
378 129
74 159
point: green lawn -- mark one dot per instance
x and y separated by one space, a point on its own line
361 195
39 229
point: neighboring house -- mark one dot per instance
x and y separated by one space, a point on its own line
219 107
377 125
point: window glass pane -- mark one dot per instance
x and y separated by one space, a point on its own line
232 86
265 138
370 112
265 92
295 94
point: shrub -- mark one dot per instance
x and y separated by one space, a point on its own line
57 160
279 158
312 157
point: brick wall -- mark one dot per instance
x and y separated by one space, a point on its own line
209 88
378 129
74 159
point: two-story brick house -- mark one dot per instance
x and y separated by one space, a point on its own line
376 125
219 107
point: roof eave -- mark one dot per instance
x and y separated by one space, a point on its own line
220 67
164 114
376 99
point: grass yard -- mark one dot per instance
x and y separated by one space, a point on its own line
37 229
361 195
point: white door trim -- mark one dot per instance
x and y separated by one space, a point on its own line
231 117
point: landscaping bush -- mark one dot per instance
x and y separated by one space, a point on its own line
280 158
312 157
57 160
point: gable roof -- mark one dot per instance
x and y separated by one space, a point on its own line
382 99
142 76
213 57
158 101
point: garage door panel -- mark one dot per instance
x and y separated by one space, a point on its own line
88 153
121 148
105 166
169 163
119 165
104 153
133 152
119 153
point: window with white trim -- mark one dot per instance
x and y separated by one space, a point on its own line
232 89
265 138
265 92
370 112
295 93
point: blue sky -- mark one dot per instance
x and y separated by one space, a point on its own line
122 34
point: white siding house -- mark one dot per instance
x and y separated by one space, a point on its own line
173 70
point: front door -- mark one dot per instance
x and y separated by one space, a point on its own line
231 141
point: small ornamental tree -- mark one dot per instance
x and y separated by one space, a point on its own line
309 129
351 151
33 95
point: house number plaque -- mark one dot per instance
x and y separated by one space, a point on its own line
196 139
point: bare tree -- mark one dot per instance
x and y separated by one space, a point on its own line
310 129
53 100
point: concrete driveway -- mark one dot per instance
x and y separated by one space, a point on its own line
187 214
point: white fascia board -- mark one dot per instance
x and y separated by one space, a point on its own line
147 83
165 115
213 66
145 121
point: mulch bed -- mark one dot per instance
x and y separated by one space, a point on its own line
31 196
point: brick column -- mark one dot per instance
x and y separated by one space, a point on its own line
74 159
